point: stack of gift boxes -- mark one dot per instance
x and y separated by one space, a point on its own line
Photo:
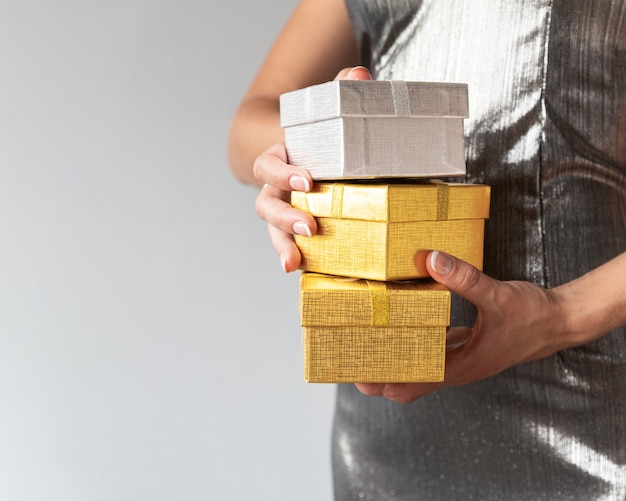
377 151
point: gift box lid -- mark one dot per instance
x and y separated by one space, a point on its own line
382 98
327 300
395 202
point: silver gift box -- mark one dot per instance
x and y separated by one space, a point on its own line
359 129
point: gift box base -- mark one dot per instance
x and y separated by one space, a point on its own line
362 148
374 354
381 251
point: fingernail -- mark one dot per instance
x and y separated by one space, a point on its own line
302 229
441 263
299 183
283 263
352 70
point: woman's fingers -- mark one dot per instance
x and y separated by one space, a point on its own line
286 248
457 337
272 208
354 73
403 393
271 168
272 204
278 178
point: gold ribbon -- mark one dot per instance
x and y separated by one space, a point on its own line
380 303
443 197
336 208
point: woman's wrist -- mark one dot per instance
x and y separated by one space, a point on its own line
593 304
572 317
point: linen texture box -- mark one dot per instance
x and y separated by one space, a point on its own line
359 129
370 331
373 231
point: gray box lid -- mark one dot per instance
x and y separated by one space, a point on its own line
381 98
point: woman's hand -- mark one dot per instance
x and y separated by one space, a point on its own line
278 178
517 322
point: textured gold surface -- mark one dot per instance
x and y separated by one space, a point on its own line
385 251
369 331
373 230
395 202
334 301
374 354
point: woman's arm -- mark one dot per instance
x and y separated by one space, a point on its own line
596 302
314 45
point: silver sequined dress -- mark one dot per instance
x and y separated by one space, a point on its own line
547 131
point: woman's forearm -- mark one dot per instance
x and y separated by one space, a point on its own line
255 127
595 303
302 55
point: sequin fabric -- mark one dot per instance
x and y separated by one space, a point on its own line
547 131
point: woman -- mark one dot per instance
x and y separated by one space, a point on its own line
534 400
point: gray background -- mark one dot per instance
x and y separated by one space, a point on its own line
149 341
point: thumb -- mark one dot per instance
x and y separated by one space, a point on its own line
460 277
354 73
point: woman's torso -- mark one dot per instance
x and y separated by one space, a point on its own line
547 131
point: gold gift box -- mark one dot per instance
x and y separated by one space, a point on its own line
372 230
370 331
